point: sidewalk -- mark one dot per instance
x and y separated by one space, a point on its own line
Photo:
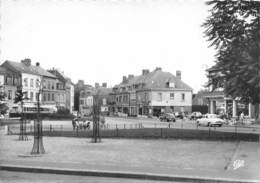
178 160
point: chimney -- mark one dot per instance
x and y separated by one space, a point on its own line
26 62
145 71
104 85
96 85
178 74
130 76
158 69
124 79
37 64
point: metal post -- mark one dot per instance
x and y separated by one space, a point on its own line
38 142
96 117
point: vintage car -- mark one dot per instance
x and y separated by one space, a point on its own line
210 120
167 117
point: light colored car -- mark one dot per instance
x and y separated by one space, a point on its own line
210 120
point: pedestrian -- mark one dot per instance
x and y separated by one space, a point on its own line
242 117
74 124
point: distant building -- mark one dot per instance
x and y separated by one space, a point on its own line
151 94
219 102
79 87
87 97
31 78
65 91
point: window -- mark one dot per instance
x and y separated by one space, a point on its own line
49 97
146 97
53 86
36 96
9 94
37 83
52 97
183 96
49 85
9 81
44 97
81 102
159 96
16 81
31 96
31 83
172 96
25 81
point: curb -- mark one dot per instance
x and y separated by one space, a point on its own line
122 174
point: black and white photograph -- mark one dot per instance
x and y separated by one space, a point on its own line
129 91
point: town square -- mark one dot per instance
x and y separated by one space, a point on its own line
129 91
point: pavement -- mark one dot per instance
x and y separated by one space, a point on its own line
165 160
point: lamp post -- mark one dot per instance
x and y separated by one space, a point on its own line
38 142
96 119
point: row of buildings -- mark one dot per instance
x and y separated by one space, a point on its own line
149 94
56 90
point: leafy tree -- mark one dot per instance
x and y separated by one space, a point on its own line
3 106
233 28
20 96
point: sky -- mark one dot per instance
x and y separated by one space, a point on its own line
103 40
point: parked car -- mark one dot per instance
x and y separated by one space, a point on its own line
195 115
179 115
210 120
167 117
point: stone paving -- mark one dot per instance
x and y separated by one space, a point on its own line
191 157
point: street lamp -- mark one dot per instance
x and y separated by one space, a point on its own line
96 118
38 143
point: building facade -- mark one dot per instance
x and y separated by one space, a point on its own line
220 103
34 80
151 94
99 93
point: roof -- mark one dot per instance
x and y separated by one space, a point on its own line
36 70
157 79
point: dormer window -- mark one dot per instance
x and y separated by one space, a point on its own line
171 85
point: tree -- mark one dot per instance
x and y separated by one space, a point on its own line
3 106
20 96
233 28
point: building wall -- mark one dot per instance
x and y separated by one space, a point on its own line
31 86
49 91
165 98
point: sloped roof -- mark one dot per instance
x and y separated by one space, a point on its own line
157 79
21 67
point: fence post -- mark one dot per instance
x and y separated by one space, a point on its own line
209 130
50 128
169 125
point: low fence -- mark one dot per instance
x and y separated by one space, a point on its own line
162 130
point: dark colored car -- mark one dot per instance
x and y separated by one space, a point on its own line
195 115
167 117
